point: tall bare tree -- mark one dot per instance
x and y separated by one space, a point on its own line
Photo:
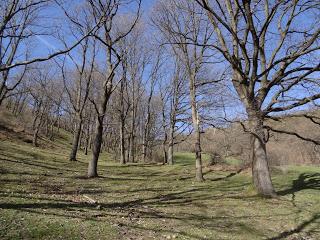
273 50
179 22
108 37
80 86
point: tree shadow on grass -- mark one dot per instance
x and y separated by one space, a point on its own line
297 229
303 182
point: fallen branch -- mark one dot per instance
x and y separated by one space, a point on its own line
91 201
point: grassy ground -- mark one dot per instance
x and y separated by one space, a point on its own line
43 196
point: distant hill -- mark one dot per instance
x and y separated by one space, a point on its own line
283 149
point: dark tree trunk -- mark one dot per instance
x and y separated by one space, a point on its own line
164 149
170 147
260 167
199 174
165 155
87 143
97 142
75 141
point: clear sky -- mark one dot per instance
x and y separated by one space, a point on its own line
52 16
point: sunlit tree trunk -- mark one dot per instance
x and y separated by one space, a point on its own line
260 166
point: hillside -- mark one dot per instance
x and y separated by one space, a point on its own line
233 144
44 196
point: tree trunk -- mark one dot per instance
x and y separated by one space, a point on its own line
35 137
122 143
87 144
196 127
165 154
144 149
36 132
170 147
97 142
199 174
75 141
132 139
260 168
36 127
92 168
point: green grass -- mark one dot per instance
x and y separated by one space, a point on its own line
233 161
43 196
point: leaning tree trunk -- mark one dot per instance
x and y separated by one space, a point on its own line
97 142
75 141
260 168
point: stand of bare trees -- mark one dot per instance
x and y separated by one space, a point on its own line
137 90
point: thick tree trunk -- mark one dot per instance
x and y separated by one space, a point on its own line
75 141
260 168
93 164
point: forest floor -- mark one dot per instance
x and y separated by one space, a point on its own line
44 196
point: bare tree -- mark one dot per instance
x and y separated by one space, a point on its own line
41 91
178 22
19 25
107 10
83 74
274 61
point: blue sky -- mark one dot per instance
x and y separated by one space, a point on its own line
52 16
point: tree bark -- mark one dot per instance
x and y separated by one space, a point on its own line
122 143
132 136
260 167
36 130
196 127
165 154
199 174
35 137
75 141
170 147
97 142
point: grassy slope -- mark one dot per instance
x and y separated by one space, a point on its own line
43 196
